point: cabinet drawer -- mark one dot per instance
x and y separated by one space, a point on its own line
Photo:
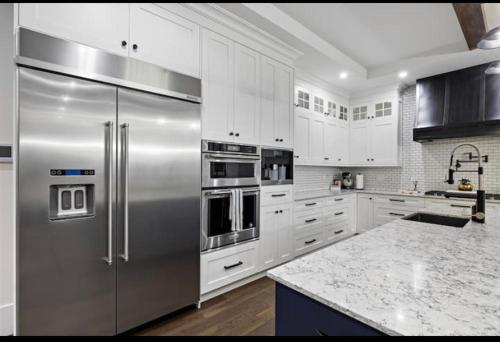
386 215
399 201
308 242
338 231
307 223
337 213
340 200
451 207
276 194
309 205
228 265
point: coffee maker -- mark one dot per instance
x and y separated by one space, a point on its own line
347 180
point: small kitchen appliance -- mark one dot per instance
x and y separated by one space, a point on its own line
347 180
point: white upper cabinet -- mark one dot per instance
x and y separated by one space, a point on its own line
101 25
301 136
246 95
317 141
284 105
374 132
143 31
163 38
276 104
217 86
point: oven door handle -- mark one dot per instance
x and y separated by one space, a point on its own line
222 157
239 226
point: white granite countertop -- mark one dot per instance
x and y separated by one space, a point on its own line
408 278
310 194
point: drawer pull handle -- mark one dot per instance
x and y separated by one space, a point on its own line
338 199
311 220
460 206
310 241
396 200
339 213
309 204
278 195
239 263
396 214
338 232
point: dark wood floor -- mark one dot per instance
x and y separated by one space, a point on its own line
248 310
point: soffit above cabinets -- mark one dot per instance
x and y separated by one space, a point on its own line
371 42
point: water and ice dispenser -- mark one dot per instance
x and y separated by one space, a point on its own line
71 200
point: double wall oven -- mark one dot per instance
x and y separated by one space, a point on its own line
230 194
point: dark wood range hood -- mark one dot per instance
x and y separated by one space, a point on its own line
461 103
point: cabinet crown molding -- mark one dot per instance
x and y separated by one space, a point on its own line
227 19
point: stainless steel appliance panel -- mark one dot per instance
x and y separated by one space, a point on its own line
43 51
229 216
65 281
158 206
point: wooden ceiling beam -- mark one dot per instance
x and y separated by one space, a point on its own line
470 17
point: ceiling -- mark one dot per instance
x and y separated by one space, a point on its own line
371 42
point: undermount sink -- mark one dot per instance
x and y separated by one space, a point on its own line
442 220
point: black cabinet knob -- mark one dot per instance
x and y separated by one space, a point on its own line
276 212
373 159
276 139
281 211
296 156
237 134
281 140
367 159
231 133
124 43
134 47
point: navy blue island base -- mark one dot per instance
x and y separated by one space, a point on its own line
299 315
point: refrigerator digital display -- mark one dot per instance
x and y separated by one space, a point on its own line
71 172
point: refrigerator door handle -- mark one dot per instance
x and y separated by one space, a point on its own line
125 144
109 147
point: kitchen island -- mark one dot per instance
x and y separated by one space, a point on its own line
402 278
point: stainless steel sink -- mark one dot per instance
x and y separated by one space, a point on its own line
442 220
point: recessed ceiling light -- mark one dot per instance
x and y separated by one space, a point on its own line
343 75
403 74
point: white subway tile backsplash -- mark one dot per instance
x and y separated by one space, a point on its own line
426 163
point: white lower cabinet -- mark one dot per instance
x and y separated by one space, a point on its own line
225 266
276 228
376 210
365 219
460 207
322 221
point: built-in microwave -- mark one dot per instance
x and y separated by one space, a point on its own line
276 166
230 165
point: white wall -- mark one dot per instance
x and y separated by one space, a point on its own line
6 171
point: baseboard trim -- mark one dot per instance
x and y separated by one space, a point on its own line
6 320
232 286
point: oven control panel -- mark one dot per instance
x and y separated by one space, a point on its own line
219 147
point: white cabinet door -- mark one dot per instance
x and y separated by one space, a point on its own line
365 220
359 143
101 25
384 143
268 239
217 87
268 131
285 238
329 148
301 136
341 145
246 95
284 105
316 138
163 38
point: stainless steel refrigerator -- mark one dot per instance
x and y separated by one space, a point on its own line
108 211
